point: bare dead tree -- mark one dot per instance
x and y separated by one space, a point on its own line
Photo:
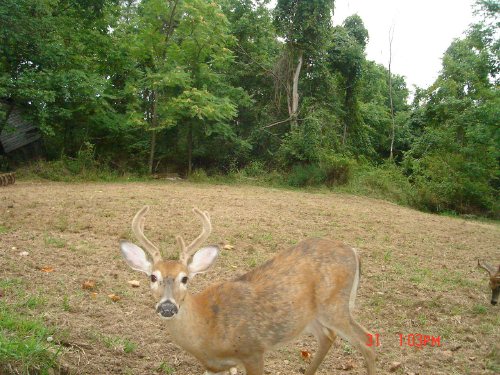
391 37
286 78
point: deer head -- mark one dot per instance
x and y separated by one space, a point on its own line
494 280
168 278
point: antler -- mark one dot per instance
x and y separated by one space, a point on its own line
188 251
138 229
491 270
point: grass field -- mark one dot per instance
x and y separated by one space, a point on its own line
60 263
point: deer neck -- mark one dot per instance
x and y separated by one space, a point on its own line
187 327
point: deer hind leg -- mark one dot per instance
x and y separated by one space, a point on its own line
325 338
356 334
254 365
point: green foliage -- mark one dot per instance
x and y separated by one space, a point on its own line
306 175
194 85
23 340
454 157
303 24
69 169
338 168
301 145
385 181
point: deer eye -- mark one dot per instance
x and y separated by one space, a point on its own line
153 278
184 280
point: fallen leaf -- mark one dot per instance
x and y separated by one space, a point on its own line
88 284
114 297
47 269
305 354
24 253
228 247
134 283
348 366
394 366
94 295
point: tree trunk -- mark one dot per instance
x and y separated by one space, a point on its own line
295 93
348 106
154 122
391 35
190 149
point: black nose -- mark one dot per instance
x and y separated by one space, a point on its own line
493 302
167 309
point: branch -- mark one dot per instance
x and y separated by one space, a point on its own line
281 122
276 123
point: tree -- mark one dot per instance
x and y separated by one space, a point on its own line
53 65
304 27
455 160
346 56
180 48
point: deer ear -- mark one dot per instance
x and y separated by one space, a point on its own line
135 257
203 259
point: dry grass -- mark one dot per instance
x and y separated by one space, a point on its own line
419 272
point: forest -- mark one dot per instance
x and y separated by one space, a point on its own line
240 89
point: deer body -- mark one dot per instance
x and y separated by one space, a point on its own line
308 288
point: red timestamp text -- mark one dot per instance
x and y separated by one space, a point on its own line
416 340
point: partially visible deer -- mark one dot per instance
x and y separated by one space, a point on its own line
494 280
308 288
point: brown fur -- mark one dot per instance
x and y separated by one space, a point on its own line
237 321
494 273
307 288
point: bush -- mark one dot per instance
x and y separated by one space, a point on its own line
82 168
254 169
301 145
454 183
306 175
337 168
386 181
199 175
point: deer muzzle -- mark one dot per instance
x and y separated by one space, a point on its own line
167 309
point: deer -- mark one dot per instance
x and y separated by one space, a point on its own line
494 280
309 288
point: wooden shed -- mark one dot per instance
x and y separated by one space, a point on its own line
17 132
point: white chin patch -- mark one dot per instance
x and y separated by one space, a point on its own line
167 317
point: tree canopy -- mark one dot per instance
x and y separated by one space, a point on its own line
233 85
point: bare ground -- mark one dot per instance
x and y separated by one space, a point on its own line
419 273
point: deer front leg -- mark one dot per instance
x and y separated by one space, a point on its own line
232 371
254 365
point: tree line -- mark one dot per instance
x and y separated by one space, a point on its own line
219 86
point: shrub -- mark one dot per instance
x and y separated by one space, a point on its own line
337 168
254 169
452 182
303 175
199 175
386 181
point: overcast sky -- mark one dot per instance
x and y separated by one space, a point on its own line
423 30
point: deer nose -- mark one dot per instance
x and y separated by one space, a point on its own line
493 302
167 309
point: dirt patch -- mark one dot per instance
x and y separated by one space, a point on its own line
419 273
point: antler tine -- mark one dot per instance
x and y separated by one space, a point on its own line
138 229
188 251
485 266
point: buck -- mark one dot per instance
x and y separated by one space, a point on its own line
308 288
494 280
